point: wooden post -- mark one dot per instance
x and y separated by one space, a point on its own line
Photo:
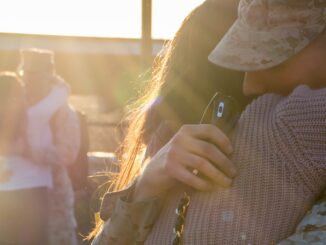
146 39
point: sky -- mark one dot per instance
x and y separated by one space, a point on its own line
99 18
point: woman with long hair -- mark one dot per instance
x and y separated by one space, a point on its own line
182 84
178 173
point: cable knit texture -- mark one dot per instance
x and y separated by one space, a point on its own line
280 152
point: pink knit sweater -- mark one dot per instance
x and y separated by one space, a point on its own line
280 152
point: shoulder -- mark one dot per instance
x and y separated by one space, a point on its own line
303 100
305 91
304 113
304 106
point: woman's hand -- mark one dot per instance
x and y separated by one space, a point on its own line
194 147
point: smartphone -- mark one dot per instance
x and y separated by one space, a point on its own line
225 112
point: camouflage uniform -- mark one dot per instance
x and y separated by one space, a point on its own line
126 222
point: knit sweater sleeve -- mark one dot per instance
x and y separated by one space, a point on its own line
302 118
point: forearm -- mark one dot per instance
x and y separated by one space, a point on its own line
127 222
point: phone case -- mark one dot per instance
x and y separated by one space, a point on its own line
225 112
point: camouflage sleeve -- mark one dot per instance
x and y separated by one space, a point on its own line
312 229
126 222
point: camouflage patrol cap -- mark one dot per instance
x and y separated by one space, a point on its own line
268 32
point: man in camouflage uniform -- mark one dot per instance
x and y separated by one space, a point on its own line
266 34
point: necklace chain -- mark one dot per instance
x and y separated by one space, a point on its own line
181 212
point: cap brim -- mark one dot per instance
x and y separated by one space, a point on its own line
245 49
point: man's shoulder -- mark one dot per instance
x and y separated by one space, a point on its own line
304 95
303 103
300 101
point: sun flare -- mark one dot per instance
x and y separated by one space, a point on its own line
100 18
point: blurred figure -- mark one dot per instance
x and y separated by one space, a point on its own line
23 183
53 132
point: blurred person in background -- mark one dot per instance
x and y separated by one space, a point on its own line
53 133
23 182
277 169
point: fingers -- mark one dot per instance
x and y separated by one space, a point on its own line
186 177
213 155
200 147
185 139
207 169
179 167
211 133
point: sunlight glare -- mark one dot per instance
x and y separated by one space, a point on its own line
100 18
169 14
